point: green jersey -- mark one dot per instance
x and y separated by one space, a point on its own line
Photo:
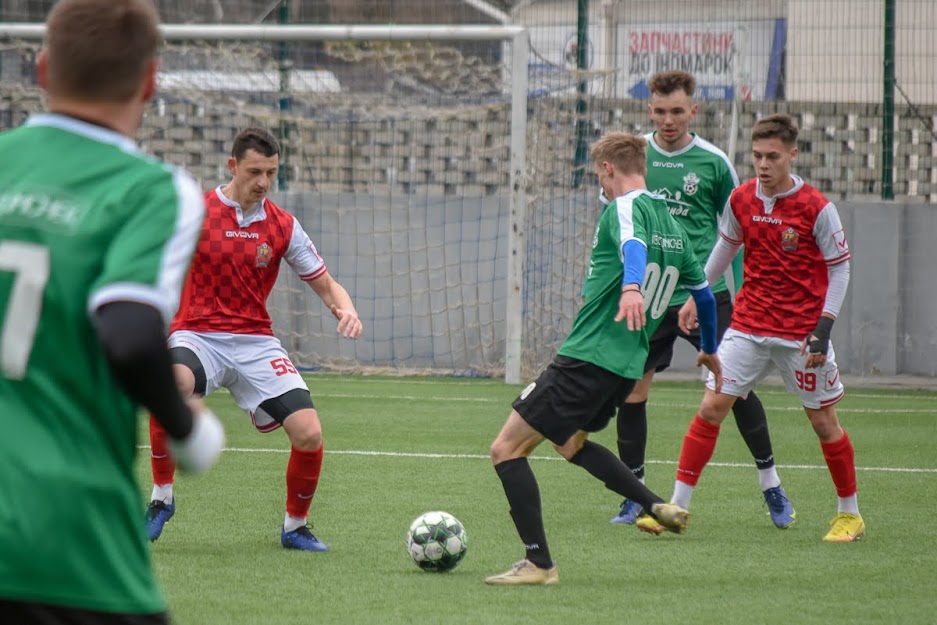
696 181
85 219
595 336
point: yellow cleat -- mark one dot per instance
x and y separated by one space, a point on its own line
525 573
846 528
664 516
671 516
647 523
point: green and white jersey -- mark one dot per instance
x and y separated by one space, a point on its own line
595 336
696 181
85 219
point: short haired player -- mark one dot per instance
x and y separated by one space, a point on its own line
639 253
796 274
222 336
696 178
95 239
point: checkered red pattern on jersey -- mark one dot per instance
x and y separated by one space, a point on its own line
229 280
786 276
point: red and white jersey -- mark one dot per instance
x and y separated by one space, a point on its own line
236 265
790 239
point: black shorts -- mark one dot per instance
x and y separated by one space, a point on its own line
572 395
660 352
47 614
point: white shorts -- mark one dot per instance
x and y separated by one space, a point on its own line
747 359
253 367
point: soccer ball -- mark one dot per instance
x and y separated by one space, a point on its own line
436 541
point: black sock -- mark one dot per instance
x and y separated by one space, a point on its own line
753 425
618 478
632 436
520 487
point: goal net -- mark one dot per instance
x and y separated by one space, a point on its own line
407 157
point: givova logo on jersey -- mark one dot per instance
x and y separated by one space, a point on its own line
691 183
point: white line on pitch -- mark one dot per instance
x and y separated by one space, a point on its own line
404 454
688 407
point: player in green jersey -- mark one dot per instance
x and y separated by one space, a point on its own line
696 178
95 239
639 256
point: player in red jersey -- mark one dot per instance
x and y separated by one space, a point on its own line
222 337
796 272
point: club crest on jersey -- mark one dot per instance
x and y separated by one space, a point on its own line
264 254
690 183
789 240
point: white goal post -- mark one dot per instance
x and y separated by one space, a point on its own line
515 36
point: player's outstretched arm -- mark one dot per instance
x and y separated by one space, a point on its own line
339 303
134 344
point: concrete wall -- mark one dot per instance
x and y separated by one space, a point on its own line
887 325
428 278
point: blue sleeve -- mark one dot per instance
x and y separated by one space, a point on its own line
635 255
706 313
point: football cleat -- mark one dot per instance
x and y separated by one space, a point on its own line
846 528
629 513
158 514
302 539
779 507
525 573
664 516
647 523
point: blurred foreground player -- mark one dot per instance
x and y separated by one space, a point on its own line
95 239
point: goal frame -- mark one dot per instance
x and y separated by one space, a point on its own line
516 36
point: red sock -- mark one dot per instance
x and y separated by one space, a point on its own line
841 459
302 478
164 468
698 447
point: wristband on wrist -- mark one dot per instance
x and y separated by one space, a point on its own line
630 287
819 341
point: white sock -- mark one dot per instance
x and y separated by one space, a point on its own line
682 492
768 478
162 492
849 505
291 523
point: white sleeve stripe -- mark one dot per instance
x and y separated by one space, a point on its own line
625 206
730 239
838 261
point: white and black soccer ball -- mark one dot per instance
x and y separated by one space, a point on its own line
436 541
